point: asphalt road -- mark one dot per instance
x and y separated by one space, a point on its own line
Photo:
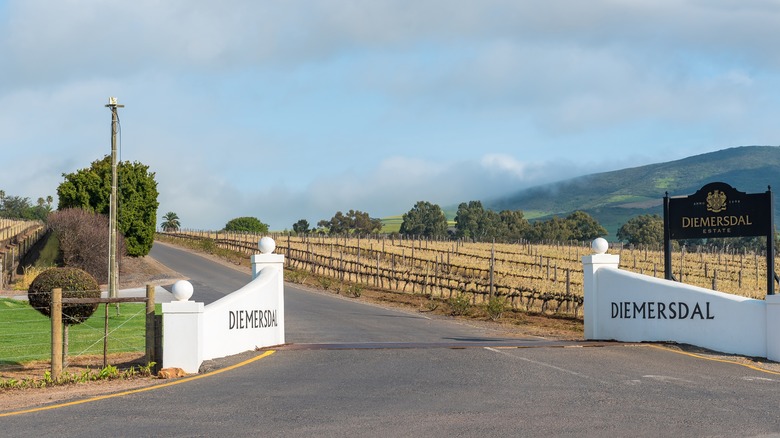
361 370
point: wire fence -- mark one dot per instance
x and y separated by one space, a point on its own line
25 334
542 276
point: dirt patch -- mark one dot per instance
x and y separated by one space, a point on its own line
12 399
137 272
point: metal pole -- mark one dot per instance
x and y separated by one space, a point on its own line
667 241
770 246
113 267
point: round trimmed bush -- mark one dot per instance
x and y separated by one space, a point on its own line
74 282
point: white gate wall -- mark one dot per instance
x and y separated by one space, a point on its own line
629 307
249 318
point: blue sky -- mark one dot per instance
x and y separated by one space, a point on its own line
298 109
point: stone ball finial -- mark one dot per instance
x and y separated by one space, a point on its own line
182 290
600 245
266 245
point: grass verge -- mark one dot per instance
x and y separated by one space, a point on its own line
25 334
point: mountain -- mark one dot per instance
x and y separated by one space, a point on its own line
614 197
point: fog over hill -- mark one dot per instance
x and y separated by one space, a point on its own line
616 196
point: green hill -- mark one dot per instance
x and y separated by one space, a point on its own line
614 197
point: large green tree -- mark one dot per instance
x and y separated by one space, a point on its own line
514 225
644 229
553 229
584 227
424 219
90 189
354 222
470 220
473 221
301 227
246 224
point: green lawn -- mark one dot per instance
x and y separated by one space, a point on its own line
25 334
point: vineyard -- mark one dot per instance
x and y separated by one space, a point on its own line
16 238
534 277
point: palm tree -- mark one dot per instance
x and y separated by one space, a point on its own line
171 222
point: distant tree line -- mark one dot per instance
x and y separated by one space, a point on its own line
472 221
17 207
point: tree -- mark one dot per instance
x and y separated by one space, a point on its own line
247 224
301 227
645 229
171 222
514 225
16 207
584 227
470 220
90 189
363 224
424 219
553 229
354 222
42 208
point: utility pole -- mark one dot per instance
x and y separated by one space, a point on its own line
113 266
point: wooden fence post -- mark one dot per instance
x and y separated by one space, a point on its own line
150 326
56 333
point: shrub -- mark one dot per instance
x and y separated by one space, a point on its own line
295 276
208 245
325 283
74 282
30 272
496 307
460 304
354 290
83 238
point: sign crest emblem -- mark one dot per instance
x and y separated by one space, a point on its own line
716 201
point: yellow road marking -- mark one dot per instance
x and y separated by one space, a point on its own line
136 391
699 356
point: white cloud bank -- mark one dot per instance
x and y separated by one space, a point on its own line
297 109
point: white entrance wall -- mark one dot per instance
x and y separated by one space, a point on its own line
630 307
249 318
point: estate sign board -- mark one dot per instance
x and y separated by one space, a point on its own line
719 210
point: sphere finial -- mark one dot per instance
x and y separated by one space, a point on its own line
600 245
182 290
266 245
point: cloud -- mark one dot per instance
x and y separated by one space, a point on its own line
305 107
392 188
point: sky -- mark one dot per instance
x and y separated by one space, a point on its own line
297 109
